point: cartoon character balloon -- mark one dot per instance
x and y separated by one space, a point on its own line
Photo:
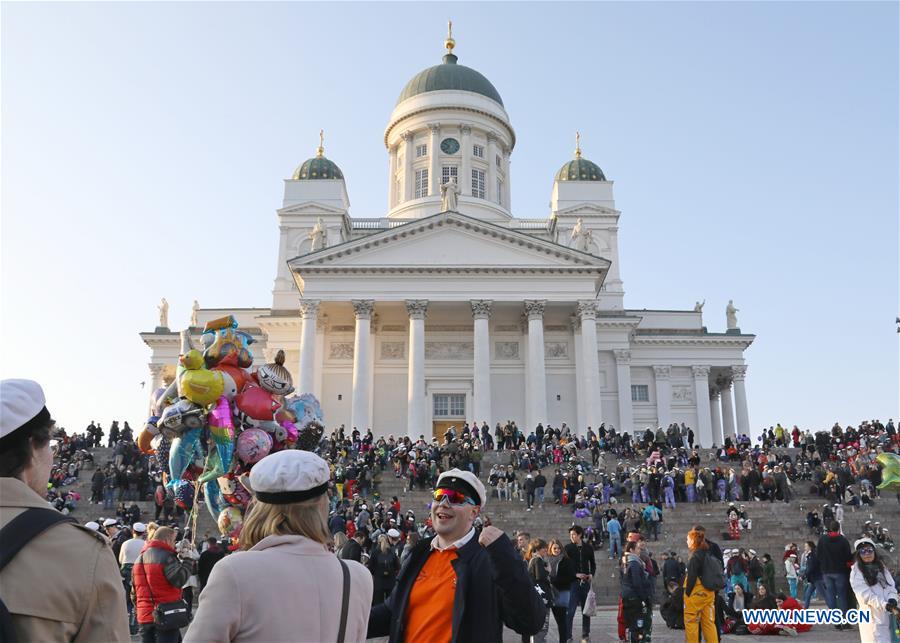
253 445
230 522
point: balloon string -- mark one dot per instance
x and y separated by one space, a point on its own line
194 513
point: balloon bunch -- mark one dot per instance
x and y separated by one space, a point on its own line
218 418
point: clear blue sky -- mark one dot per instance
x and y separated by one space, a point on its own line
754 149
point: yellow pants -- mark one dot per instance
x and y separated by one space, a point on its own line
700 614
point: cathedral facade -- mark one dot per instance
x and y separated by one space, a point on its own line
450 310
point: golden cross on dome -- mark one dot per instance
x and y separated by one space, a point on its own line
449 43
578 145
321 150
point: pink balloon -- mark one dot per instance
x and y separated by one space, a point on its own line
253 445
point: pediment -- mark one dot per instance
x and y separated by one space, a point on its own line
310 207
450 240
587 209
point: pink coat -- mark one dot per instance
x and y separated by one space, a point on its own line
286 588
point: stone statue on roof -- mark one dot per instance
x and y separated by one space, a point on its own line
449 194
194 309
731 315
163 309
317 236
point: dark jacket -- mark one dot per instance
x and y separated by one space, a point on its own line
562 574
671 570
695 570
208 560
159 573
672 610
351 550
813 569
493 588
635 580
834 554
582 557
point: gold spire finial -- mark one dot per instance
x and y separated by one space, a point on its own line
449 43
320 152
578 145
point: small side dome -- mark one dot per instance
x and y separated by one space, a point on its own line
580 169
318 167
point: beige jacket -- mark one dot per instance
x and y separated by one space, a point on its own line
286 588
65 584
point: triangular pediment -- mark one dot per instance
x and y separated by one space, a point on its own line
310 207
449 240
587 209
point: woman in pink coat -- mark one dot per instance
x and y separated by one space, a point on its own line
285 585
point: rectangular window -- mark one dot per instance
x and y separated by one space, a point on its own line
478 184
421 183
450 405
478 150
640 393
449 172
499 162
421 150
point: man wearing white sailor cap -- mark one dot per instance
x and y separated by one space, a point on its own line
63 584
459 585
284 543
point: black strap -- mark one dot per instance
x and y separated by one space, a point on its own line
345 601
17 533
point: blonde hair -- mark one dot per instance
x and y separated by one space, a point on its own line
151 530
384 544
305 518
164 534
340 539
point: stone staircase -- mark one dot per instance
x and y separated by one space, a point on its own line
774 524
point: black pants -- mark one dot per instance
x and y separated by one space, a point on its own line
636 616
559 615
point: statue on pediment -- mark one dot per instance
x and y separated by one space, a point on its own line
731 316
449 194
581 237
316 236
163 309
698 306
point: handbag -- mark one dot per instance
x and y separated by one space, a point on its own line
590 604
166 616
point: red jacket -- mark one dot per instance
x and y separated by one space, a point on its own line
157 571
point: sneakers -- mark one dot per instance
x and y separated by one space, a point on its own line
787 631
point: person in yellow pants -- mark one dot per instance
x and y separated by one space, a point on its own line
699 601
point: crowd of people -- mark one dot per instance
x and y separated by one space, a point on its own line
393 567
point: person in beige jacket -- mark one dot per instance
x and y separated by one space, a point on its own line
284 585
64 585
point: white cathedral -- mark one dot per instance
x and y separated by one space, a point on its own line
449 309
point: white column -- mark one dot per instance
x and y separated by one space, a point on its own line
587 310
704 432
408 179
434 178
465 178
537 375
716 413
481 375
526 370
492 195
663 395
626 406
507 181
359 409
373 340
156 377
416 423
727 412
309 312
739 371
392 179
321 326
581 412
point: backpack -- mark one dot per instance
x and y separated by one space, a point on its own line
711 574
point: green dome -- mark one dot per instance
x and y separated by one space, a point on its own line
318 167
579 169
451 76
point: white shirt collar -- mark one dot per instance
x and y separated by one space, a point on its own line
457 545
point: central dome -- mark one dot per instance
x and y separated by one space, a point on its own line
449 76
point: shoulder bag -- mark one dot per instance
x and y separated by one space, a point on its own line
166 616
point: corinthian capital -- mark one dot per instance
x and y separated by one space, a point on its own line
700 371
587 309
309 308
363 308
481 308
417 308
534 308
739 372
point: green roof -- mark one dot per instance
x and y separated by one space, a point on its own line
580 169
318 167
451 76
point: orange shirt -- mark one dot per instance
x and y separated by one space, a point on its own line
429 614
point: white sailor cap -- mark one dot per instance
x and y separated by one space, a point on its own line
93 526
463 481
22 404
109 522
139 527
393 533
289 476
